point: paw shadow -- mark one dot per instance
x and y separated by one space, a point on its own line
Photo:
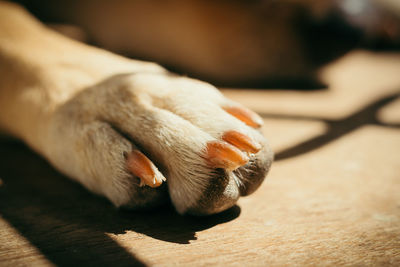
69 225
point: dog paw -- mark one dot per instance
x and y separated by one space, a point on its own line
137 138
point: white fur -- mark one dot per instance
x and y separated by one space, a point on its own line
84 109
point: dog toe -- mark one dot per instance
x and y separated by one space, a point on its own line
141 166
241 141
223 155
245 115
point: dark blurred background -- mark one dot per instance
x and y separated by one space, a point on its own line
268 43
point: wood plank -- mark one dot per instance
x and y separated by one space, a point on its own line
332 197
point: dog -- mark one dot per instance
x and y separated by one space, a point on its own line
135 132
126 129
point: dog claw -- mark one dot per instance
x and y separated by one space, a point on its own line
140 166
224 155
241 141
245 115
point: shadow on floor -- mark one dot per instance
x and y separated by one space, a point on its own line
336 128
69 225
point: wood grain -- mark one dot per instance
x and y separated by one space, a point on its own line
332 197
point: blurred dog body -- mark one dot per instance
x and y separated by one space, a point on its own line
231 43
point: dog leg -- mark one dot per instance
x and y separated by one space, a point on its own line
122 127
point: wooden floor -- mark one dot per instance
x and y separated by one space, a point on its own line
331 198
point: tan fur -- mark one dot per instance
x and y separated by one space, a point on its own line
83 108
